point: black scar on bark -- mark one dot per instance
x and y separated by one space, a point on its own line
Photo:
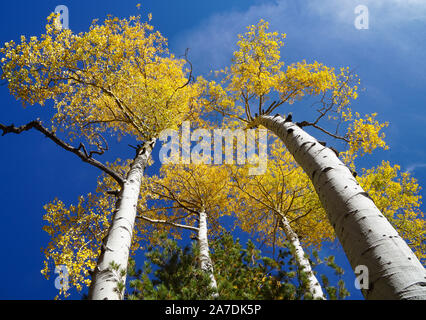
327 169
114 193
289 118
313 144
304 144
302 124
365 194
335 151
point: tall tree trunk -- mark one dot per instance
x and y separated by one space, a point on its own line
109 276
203 242
303 262
367 237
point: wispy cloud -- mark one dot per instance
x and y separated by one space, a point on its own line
213 42
389 56
412 167
324 28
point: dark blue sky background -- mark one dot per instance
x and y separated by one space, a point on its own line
389 57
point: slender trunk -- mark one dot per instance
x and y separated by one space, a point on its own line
205 260
109 276
367 237
303 262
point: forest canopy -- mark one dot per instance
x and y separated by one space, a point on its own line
118 84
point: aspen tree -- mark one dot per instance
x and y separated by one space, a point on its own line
281 200
199 192
117 78
254 86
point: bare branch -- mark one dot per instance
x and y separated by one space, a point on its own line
82 154
299 217
313 124
177 225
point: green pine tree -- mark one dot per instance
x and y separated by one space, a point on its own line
242 273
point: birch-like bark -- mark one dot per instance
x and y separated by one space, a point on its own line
107 279
367 237
205 261
303 262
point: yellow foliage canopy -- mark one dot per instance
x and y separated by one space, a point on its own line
118 75
397 195
284 190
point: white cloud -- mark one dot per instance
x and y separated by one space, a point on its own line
411 168
213 42
312 26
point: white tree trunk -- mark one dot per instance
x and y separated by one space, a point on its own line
116 245
314 285
205 261
367 237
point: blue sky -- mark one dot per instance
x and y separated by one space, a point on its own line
389 57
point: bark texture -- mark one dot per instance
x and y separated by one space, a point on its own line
203 242
366 236
314 285
116 245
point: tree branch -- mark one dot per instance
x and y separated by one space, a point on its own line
177 225
312 124
82 154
